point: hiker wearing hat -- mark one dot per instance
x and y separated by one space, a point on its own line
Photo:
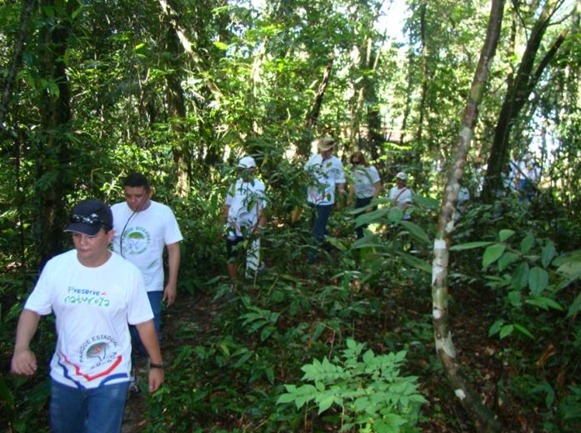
244 216
94 294
401 196
326 176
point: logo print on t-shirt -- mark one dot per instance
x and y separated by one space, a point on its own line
135 241
98 351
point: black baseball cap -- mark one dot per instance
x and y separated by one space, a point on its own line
88 216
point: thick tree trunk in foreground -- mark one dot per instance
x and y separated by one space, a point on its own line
484 419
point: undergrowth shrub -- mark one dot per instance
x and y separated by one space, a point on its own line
539 297
367 390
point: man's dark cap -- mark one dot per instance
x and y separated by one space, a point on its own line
88 216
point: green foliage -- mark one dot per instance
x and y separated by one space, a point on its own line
368 389
538 291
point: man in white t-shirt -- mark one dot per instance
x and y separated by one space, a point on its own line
143 228
326 177
94 294
244 216
401 195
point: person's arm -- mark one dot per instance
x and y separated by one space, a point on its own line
378 187
148 336
341 195
225 211
174 257
23 359
260 223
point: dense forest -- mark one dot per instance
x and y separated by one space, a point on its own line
462 319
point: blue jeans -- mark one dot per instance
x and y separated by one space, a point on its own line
320 218
98 410
155 302
319 221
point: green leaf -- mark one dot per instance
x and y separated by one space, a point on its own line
524 331
548 253
504 234
507 259
538 280
325 403
527 243
416 231
370 217
575 306
492 253
544 303
571 270
495 328
416 262
221 45
506 330
427 202
515 298
470 246
394 215
337 243
520 276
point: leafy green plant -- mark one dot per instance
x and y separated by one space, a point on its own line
538 301
368 389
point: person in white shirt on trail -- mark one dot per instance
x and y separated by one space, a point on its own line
401 196
366 186
244 217
94 295
143 228
326 175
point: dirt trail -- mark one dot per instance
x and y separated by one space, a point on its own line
187 309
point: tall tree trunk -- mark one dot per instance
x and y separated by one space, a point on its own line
54 147
312 116
425 75
177 113
368 101
483 418
517 94
16 60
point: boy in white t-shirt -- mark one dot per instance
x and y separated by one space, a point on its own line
244 216
94 295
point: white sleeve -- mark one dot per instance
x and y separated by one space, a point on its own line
40 300
172 229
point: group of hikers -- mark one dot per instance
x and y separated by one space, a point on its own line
244 210
107 292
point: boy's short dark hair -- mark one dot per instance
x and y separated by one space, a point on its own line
136 180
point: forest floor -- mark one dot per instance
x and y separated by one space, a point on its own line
441 414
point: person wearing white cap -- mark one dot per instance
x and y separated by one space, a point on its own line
244 216
326 175
94 295
400 195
